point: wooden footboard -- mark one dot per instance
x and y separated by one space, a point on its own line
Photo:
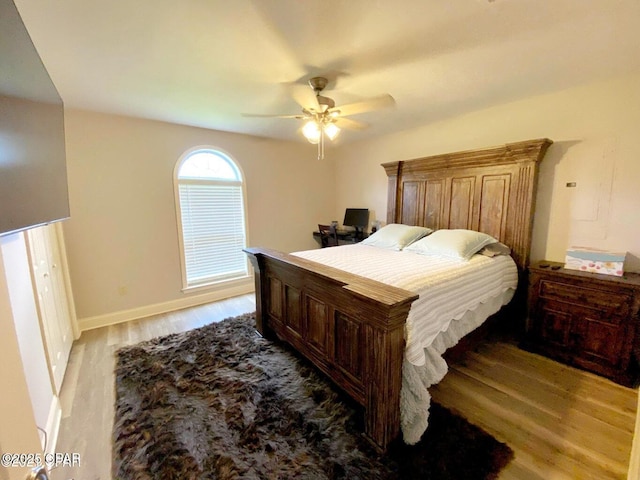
350 327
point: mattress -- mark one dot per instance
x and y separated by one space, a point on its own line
455 297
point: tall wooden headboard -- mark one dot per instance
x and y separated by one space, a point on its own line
491 190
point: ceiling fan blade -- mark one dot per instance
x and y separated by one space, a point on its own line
304 96
374 103
349 124
297 115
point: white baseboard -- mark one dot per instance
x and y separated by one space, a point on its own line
121 316
53 425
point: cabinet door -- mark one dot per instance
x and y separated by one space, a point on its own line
53 298
553 325
598 340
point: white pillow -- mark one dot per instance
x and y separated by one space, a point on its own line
495 249
396 236
457 243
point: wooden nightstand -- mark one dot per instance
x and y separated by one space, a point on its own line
586 320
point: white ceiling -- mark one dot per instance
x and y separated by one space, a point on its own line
206 62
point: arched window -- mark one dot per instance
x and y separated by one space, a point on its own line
211 217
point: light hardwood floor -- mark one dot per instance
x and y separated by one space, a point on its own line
562 423
88 395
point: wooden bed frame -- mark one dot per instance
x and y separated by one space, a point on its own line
352 328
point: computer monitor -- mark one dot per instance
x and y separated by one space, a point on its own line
358 218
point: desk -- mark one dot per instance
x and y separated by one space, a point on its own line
344 238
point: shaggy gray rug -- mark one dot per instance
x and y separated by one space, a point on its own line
220 402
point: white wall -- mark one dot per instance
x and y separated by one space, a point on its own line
122 239
596 144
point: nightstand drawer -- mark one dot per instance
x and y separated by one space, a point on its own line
585 312
603 300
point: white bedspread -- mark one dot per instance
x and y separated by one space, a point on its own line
455 298
448 288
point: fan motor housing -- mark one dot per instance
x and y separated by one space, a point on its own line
318 83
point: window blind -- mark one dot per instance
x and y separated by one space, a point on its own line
213 230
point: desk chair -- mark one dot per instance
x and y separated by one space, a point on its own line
328 236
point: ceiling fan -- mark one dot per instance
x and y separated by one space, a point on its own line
321 116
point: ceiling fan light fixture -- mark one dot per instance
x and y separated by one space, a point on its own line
332 130
311 131
322 120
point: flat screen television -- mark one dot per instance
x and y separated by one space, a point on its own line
358 218
33 172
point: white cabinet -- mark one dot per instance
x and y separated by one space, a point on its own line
48 264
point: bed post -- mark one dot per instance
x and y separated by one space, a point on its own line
393 170
261 291
383 379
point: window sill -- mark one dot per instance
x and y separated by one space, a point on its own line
219 284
